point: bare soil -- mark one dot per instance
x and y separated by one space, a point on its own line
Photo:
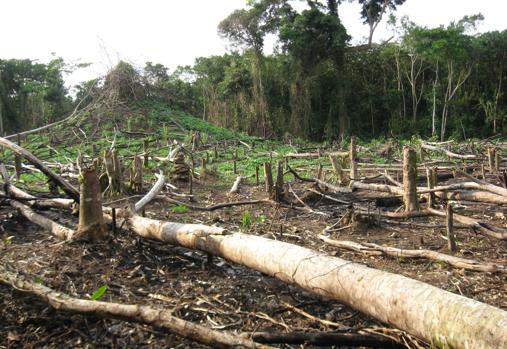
219 295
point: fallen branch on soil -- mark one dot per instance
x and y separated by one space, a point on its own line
67 188
358 339
491 187
333 188
56 229
217 206
477 226
316 155
488 193
313 318
442 318
450 153
331 198
481 227
18 194
130 312
377 250
151 194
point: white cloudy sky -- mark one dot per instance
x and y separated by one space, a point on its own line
171 32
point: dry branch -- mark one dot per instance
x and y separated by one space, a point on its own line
377 250
157 318
216 206
151 194
330 186
67 188
450 153
317 155
481 227
444 319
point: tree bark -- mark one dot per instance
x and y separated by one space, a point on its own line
91 219
444 319
410 180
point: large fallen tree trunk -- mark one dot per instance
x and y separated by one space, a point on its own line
130 312
444 319
67 188
377 250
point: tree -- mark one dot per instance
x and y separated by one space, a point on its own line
316 42
372 12
491 51
246 28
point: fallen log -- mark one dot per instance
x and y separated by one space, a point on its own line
481 227
330 186
217 206
473 195
34 201
67 188
377 250
490 187
391 189
157 318
450 153
444 319
442 191
56 229
317 155
358 339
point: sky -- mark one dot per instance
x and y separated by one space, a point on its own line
173 32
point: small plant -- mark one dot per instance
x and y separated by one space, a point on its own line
261 218
246 220
179 209
99 292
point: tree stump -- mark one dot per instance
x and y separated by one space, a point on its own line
91 219
410 179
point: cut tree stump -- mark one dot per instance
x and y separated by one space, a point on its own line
410 180
91 219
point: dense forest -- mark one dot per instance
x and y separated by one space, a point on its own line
441 82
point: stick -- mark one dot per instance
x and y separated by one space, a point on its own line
377 250
157 318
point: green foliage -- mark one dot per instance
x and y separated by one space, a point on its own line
99 292
179 209
29 90
246 219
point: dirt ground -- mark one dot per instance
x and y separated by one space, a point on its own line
220 295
